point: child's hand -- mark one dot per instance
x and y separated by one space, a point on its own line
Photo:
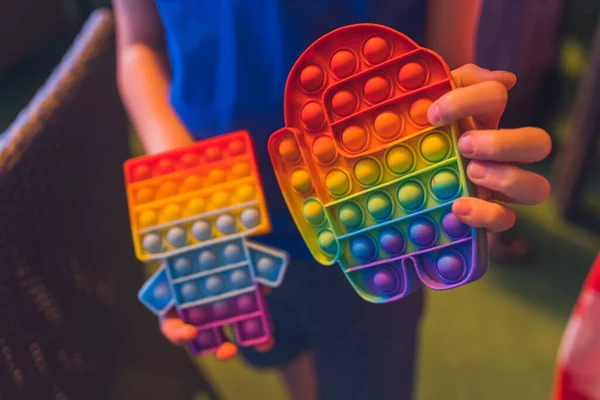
177 331
478 103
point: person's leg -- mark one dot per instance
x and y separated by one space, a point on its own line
300 377
366 351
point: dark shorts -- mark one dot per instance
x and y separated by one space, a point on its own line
362 350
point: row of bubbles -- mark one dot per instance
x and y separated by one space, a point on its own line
344 63
391 202
196 205
246 330
177 185
419 233
216 284
189 159
206 258
398 160
237 306
376 88
201 230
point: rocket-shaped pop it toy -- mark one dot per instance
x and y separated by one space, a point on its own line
369 182
193 208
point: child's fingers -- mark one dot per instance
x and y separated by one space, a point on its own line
471 74
479 213
523 187
522 145
484 101
176 331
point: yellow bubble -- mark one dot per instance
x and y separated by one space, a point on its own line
144 195
337 182
196 206
400 159
217 176
147 218
167 189
435 147
301 181
367 171
240 170
245 193
314 212
221 200
171 212
191 183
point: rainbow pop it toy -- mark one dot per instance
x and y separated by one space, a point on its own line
193 208
369 182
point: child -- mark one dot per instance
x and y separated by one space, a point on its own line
190 69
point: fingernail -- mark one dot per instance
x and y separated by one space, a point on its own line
461 207
466 145
434 114
477 171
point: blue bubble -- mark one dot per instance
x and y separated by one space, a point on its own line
152 243
451 265
363 248
239 278
161 292
250 218
182 266
233 253
201 230
207 259
266 266
214 284
392 240
189 291
177 236
226 224
422 232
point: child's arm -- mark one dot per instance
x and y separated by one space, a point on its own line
451 29
143 76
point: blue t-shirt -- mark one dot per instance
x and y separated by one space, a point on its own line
230 60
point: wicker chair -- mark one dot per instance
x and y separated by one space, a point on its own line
70 323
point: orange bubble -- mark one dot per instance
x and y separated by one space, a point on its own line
343 103
377 89
190 183
236 147
240 170
144 195
189 160
354 138
216 176
311 78
212 154
289 150
387 125
376 50
312 115
324 149
167 189
418 111
343 63
164 166
412 75
141 172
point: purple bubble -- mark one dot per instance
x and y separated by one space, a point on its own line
392 240
246 303
252 327
197 315
454 227
386 280
205 338
451 265
221 309
422 232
